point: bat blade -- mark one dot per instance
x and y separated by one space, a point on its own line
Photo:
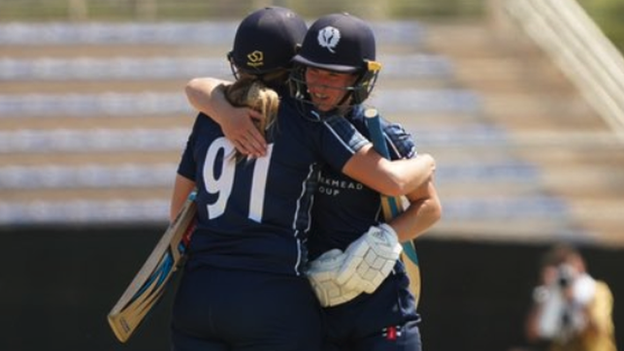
148 285
393 206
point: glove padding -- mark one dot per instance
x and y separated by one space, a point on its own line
322 275
370 259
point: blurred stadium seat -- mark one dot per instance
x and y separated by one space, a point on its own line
93 119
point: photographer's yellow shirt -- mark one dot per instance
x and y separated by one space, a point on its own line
599 335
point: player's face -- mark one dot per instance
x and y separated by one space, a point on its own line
328 88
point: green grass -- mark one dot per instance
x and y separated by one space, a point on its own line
607 13
193 10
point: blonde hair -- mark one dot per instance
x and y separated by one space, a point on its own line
252 93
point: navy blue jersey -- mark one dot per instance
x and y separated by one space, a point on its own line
254 214
344 208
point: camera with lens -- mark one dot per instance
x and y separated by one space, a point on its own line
562 313
565 275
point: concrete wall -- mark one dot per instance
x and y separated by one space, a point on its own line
57 285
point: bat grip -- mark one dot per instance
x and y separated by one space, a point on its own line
376 134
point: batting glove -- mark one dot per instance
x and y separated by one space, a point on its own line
370 259
322 275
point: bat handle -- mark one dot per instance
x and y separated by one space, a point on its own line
371 112
376 134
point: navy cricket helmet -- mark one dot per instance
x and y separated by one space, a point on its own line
266 40
341 43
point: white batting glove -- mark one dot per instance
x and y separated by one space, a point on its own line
322 276
370 259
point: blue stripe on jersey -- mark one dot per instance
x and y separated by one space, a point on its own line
304 204
303 218
342 131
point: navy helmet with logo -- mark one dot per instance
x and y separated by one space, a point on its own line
266 40
341 43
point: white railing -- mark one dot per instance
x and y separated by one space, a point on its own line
564 30
84 68
132 175
100 140
166 103
213 32
514 209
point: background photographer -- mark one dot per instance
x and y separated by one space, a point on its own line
571 311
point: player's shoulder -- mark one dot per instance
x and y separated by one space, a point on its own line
292 111
206 127
357 117
203 120
400 142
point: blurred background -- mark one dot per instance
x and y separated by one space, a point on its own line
520 101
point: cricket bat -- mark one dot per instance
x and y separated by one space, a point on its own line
148 286
393 206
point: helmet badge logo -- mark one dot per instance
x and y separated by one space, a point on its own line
255 59
329 37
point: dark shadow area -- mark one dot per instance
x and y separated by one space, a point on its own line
59 283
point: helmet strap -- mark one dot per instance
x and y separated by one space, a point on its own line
233 67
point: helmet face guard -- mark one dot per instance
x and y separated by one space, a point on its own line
366 83
354 94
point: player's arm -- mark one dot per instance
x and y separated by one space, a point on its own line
370 259
207 95
181 190
423 212
392 178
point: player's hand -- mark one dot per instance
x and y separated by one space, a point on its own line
370 259
322 276
239 128
429 160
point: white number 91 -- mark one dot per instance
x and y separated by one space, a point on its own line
222 185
